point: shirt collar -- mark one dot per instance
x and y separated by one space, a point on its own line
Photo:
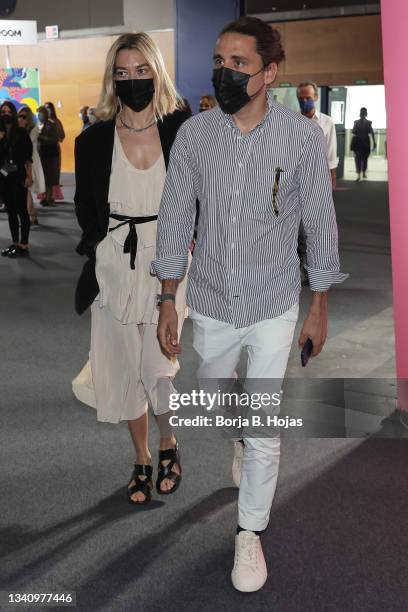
228 120
316 115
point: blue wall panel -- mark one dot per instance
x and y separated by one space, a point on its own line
198 23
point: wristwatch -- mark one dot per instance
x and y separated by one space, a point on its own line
163 297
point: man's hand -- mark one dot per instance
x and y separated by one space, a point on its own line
167 330
315 325
28 182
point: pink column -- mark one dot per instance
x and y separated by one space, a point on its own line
394 19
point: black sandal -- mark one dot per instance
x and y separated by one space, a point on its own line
141 486
166 471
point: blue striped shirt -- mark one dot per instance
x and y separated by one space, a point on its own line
245 266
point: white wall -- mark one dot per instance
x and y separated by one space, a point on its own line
370 96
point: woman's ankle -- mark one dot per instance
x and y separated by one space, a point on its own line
166 443
143 458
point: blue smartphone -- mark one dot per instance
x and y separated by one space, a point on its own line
306 352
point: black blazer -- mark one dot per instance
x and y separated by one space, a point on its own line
93 160
17 147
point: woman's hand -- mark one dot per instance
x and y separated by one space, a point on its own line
28 182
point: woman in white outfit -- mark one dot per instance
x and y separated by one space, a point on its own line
26 120
120 171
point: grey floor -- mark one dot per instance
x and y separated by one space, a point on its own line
338 536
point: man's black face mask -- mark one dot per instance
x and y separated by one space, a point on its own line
230 87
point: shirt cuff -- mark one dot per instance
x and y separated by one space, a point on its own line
333 164
321 280
174 266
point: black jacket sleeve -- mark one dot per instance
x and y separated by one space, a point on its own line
85 204
26 147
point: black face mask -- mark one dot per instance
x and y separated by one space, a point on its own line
230 87
135 93
8 119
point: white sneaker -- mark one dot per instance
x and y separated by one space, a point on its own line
237 462
249 572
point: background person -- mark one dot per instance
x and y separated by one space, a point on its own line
92 115
26 120
185 107
84 117
307 94
52 113
16 151
120 166
49 154
360 143
207 102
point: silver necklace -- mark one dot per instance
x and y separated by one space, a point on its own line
132 129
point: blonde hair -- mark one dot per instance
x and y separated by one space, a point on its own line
165 98
30 117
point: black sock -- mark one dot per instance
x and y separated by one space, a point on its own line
258 533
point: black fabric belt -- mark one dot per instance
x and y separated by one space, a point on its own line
130 245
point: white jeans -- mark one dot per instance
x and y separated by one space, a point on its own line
268 344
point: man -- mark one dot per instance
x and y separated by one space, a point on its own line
83 115
307 94
257 168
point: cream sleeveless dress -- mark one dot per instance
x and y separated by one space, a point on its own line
38 185
128 368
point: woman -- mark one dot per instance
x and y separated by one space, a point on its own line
16 152
207 102
120 165
52 114
26 120
49 154
360 143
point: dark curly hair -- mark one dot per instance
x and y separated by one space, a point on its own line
268 40
14 131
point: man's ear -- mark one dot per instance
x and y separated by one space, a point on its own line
270 73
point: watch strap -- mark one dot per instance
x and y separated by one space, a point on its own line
167 296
